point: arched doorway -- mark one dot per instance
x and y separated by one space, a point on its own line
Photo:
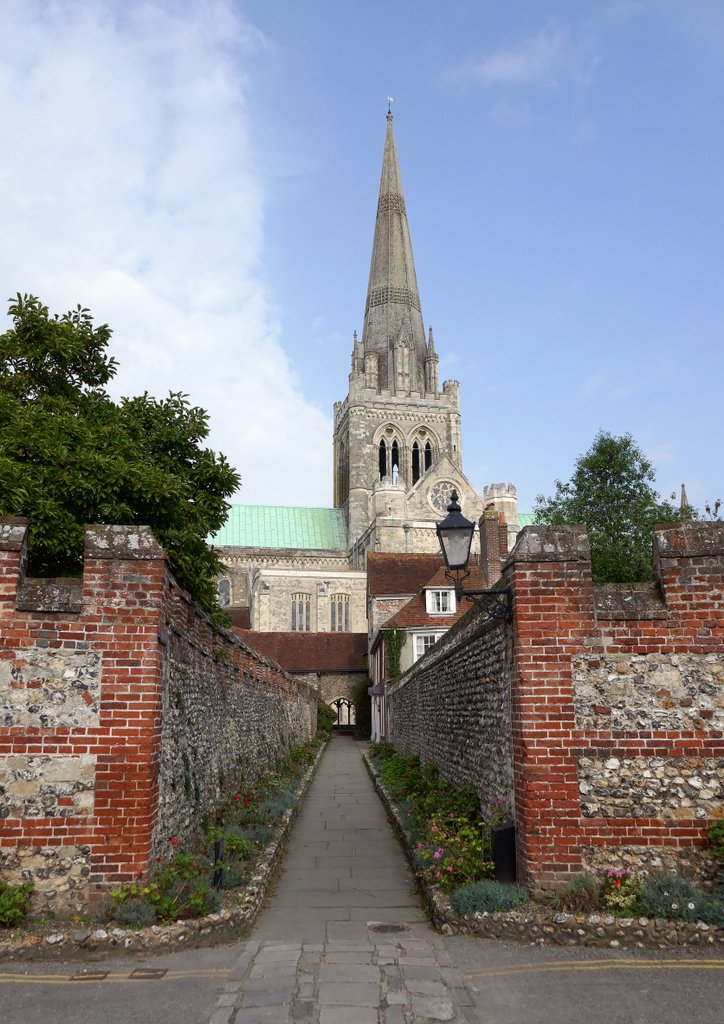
346 717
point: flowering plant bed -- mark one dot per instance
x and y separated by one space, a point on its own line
616 915
193 911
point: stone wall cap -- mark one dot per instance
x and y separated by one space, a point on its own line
551 544
12 533
50 595
123 542
689 540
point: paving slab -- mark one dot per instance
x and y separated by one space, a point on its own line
317 953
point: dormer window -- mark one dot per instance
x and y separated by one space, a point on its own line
440 602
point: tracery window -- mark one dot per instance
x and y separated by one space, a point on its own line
383 459
301 613
339 614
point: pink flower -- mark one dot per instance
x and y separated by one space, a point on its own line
434 828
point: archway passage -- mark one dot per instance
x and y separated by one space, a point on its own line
346 717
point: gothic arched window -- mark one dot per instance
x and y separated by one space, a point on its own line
339 613
223 592
395 461
428 455
415 462
301 613
383 459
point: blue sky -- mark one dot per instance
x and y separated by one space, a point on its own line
203 176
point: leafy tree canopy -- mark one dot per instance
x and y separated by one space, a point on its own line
611 493
69 455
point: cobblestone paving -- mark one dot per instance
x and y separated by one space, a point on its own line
343 938
386 980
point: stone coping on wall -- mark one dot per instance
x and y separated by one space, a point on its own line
538 924
67 940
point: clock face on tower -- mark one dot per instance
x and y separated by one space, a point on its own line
440 496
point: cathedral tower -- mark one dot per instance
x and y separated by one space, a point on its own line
396 431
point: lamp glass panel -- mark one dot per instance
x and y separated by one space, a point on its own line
456 546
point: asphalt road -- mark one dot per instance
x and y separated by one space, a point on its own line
510 984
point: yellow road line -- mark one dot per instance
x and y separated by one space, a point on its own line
66 979
597 965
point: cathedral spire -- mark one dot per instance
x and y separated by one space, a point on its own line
393 302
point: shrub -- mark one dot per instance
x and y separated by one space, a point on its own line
488 895
259 835
236 845
14 903
325 717
711 910
666 895
716 839
621 892
275 806
400 775
582 893
232 878
180 888
135 912
454 851
381 750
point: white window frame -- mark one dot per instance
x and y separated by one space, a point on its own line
420 648
439 596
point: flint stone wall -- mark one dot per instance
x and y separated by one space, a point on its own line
47 787
651 787
452 708
50 688
60 873
649 691
222 727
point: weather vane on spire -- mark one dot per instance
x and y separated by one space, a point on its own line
390 101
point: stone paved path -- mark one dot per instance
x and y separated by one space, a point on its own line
343 938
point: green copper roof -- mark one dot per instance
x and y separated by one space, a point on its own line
525 519
280 526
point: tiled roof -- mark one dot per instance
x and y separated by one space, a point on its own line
389 574
415 613
283 526
240 617
311 652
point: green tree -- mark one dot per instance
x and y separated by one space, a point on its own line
69 455
611 493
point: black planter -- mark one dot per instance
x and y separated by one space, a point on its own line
502 840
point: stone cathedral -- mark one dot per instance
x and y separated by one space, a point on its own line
397 457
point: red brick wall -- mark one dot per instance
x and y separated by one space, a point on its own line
558 618
86 689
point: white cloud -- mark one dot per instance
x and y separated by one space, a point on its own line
129 184
541 60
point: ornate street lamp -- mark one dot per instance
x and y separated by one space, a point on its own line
455 535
